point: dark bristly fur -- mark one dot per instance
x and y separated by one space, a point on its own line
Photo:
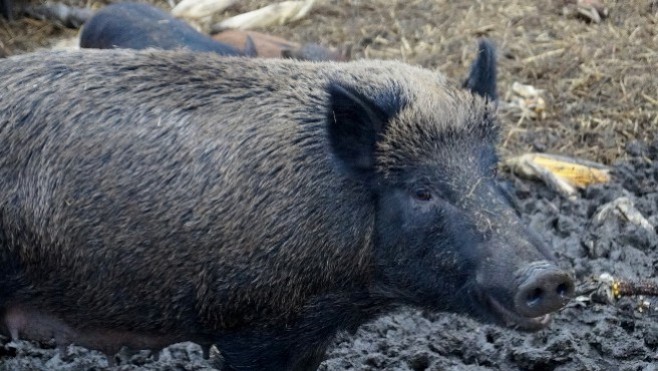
262 205
6 9
140 26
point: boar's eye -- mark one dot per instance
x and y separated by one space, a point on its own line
423 195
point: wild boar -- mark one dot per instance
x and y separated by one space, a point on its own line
139 26
262 205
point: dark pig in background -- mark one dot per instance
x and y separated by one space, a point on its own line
139 26
6 9
262 205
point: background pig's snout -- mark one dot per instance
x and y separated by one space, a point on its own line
543 288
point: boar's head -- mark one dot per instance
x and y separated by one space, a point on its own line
446 237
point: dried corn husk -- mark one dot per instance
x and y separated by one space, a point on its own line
562 173
274 14
623 207
195 9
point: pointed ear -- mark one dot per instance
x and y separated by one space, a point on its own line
355 122
482 78
250 47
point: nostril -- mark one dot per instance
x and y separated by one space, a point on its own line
563 290
544 288
535 297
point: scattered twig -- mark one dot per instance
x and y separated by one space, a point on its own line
607 289
622 288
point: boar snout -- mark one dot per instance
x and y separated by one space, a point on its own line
539 289
543 288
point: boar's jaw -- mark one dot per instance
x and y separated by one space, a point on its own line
511 319
526 298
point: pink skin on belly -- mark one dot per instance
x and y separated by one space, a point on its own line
27 323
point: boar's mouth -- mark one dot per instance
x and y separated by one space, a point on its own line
511 319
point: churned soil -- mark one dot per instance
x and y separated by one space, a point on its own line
600 85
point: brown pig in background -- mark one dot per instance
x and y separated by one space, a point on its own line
128 25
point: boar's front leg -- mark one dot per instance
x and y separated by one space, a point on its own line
11 279
301 343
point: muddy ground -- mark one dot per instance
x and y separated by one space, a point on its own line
601 90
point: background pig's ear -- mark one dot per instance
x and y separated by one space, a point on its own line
354 123
482 78
250 47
